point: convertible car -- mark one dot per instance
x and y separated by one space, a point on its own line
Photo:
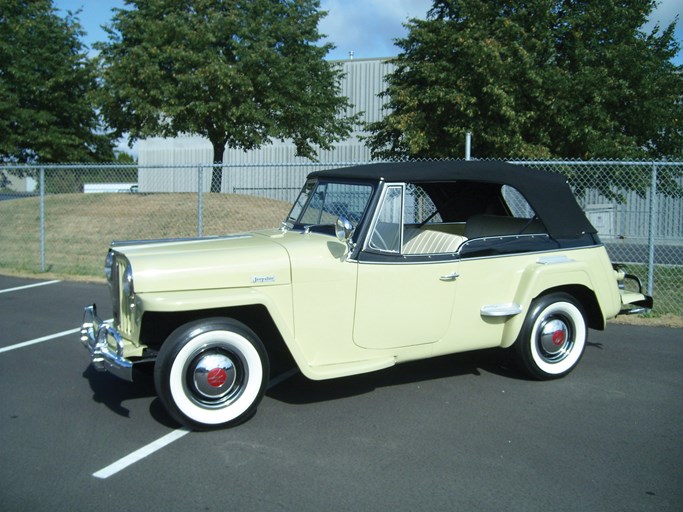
375 265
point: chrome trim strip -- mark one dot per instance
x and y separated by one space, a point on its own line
125 243
458 258
554 260
450 261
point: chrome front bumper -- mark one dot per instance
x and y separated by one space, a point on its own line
105 345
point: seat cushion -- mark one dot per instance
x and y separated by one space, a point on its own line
426 241
496 225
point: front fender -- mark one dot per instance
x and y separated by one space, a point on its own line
276 299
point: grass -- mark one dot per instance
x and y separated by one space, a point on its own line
79 227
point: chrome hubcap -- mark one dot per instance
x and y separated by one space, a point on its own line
555 340
214 377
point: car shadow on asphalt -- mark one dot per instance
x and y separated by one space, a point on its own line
300 390
113 392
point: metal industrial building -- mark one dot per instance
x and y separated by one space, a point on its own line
364 80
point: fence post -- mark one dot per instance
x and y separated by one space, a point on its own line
652 231
42 218
200 199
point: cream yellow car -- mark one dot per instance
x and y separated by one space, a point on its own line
375 265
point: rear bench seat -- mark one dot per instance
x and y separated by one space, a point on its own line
426 241
430 241
496 225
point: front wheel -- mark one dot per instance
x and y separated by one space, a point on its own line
553 337
211 373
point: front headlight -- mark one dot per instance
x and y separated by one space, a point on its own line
109 266
127 283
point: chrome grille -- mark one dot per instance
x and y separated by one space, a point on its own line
124 309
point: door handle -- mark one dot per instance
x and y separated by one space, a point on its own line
450 277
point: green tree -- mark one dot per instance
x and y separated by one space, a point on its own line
534 78
237 72
46 86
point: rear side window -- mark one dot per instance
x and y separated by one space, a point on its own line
516 204
419 207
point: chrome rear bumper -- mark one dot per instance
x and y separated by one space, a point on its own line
632 302
635 303
99 338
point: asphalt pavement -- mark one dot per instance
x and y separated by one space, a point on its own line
463 432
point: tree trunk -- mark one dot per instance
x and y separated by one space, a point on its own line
217 172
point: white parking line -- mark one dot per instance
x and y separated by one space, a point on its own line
143 452
39 340
154 446
29 286
46 338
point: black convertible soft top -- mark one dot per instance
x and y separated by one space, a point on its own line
548 193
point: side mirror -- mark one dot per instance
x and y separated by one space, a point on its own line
344 229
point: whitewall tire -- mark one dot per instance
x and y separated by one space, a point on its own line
553 337
211 373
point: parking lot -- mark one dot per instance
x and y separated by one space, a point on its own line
463 432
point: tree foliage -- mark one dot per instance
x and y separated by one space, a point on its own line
46 86
238 72
534 79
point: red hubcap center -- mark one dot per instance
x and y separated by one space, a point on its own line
217 377
559 338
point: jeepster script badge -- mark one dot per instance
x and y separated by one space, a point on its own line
262 279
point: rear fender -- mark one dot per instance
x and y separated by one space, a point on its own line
539 279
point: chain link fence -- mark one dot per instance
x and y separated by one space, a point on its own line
637 208
61 218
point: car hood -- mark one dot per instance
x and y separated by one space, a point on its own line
242 260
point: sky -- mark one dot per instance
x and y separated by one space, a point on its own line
367 28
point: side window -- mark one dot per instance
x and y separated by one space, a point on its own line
425 232
517 205
408 223
386 233
419 207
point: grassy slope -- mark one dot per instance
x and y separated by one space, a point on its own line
79 227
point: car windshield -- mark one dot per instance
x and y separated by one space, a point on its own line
322 203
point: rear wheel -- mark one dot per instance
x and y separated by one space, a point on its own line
553 337
211 373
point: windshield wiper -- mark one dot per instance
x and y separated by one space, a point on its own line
308 227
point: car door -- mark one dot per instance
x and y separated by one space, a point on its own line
401 299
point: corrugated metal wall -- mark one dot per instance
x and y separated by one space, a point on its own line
364 80
630 218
